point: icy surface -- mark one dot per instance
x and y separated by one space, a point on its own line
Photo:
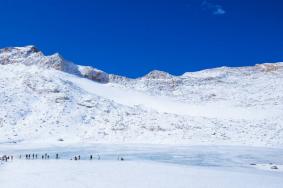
144 166
209 156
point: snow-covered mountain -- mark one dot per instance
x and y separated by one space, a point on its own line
46 99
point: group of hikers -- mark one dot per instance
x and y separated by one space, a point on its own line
45 156
6 158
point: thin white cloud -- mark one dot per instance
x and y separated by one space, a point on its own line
214 8
219 11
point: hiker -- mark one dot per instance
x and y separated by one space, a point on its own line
42 157
57 156
90 157
76 158
79 157
36 156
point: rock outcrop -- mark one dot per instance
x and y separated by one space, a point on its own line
30 55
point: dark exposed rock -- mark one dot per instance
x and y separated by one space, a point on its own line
274 167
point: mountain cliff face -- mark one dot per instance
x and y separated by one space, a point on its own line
46 99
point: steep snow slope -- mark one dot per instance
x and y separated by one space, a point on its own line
47 99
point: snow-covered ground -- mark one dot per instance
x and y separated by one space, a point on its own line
205 125
151 166
244 107
114 174
46 99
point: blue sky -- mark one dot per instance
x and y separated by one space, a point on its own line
133 37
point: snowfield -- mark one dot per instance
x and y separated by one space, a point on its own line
46 99
214 128
112 174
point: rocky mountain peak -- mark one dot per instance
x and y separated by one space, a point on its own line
22 50
30 55
156 74
270 67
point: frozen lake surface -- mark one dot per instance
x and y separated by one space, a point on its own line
215 156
